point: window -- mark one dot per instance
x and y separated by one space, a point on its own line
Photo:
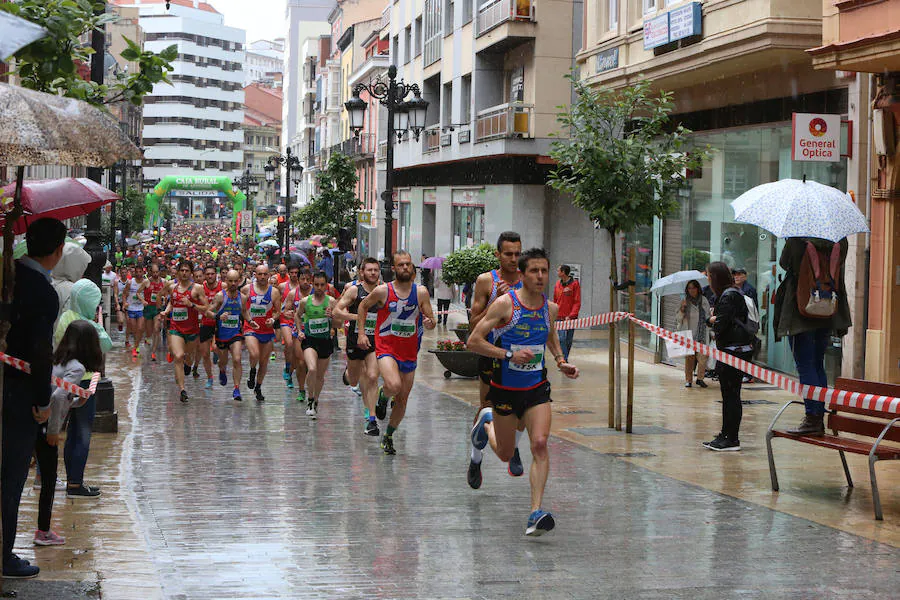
468 224
447 105
613 16
395 50
465 109
467 10
649 6
418 36
448 17
407 47
433 29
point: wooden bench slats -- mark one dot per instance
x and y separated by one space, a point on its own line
870 429
867 387
841 443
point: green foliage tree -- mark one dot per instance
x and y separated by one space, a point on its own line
336 204
692 258
52 64
466 264
129 214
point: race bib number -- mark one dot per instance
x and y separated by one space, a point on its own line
535 364
135 299
257 310
180 314
230 321
153 297
318 326
403 328
370 325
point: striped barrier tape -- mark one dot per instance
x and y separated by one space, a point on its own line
72 388
847 398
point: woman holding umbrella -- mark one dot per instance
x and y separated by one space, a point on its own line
692 315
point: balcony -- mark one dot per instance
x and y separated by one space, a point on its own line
509 23
505 121
386 16
431 139
865 36
381 152
362 147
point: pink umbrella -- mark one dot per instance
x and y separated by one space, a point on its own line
432 262
57 198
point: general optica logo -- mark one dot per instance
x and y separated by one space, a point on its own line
818 127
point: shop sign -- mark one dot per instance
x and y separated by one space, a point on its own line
656 32
468 197
816 137
608 60
685 21
364 218
197 193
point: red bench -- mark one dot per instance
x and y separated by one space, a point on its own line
875 426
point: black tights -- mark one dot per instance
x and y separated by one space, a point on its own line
443 305
47 459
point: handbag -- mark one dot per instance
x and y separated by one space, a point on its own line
676 350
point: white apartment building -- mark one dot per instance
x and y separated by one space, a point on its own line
264 62
194 125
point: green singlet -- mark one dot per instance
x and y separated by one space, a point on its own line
315 323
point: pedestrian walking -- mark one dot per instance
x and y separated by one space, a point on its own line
444 294
734 335
692 316
77 356
26 396
567 296
811 306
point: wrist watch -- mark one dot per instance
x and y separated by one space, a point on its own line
509 355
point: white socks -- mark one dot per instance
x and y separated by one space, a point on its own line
478 455
518 437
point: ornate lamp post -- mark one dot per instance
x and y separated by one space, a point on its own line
402 115
248 184
292 167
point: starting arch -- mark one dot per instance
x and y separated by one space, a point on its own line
192 182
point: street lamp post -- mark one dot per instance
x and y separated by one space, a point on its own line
248 184
402 115
291 165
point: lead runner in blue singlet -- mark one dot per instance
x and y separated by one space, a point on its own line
522 324
229 309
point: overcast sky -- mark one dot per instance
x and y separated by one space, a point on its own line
262 19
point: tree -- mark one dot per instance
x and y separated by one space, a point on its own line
623 162
130 214
466 264
336 204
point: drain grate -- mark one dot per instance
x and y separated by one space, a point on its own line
574 411
638 430
629 454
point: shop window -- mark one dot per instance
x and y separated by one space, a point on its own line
468 226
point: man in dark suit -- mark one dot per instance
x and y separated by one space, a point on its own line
26 398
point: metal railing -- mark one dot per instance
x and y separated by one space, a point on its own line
361 146
386 16
381 152
493 14
433 48
431 139
504 121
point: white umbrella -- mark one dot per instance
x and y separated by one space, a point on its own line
676 282
16 33
795 208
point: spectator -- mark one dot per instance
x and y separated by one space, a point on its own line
740 280
567 294
444 294
26 397
729 324
84 300
808 336
692 315
69 270
326 263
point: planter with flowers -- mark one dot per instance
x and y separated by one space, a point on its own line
455 359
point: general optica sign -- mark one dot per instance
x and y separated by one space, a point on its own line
816 137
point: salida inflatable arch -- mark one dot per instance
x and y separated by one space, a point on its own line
191 182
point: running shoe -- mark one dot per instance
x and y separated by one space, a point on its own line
195 373
223 378
387 444
134 354
381 405
301 397
251 378
236 394
82 491
702 383
187 369
184 396
474 475
169 357
215 358
127 344
312 409
344 377
355 389
479 433
19 568
48 538
515 466
208 385
153 356
259 395
286 374
723 444
539 523
372 428
290 383
273 357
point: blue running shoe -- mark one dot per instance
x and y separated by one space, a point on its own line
515 467
223 378
208 385
286 374
539 523
290 382
479 435
236 394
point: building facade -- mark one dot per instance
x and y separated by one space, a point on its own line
264 62
193 125
739 71
262 136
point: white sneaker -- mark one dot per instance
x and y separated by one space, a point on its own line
311 409
355 389
60 485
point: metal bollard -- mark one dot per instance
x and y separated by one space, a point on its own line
106 419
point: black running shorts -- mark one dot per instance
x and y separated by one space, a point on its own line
324 347
516 402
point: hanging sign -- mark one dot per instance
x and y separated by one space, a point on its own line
816 137
656 31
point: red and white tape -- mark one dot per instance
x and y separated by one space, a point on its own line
848 398
73 388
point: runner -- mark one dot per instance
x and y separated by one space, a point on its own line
263 310
362 366
211 287
298 361
488 287
401 306
152 289
522 323
315 315
290 291
186 301
134 308
229 310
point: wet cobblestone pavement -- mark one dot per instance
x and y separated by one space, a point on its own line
257 501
